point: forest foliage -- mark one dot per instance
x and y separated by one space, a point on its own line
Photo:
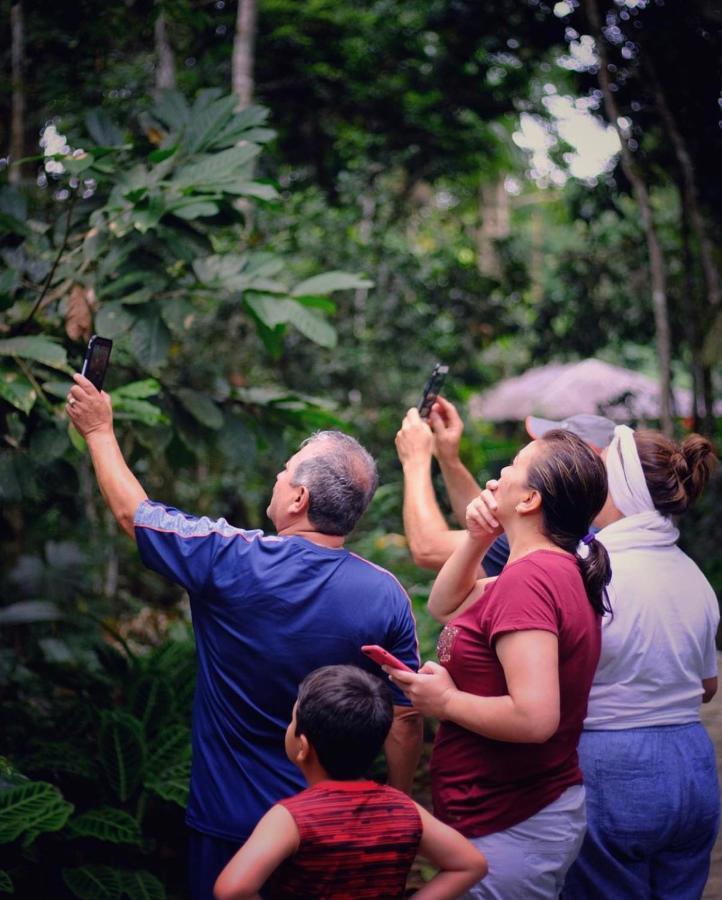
297 263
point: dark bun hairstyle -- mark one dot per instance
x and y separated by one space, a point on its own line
676 474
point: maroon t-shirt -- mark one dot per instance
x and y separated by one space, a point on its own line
480 785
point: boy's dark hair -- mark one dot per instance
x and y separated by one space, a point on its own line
345 714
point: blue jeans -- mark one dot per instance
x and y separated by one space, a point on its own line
653 810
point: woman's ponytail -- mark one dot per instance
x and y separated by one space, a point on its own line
596 573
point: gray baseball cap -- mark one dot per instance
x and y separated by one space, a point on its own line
595 430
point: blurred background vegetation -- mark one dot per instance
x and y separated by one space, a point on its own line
284 213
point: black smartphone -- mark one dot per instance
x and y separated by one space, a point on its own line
432 389
96 359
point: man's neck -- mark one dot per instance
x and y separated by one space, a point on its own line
332 541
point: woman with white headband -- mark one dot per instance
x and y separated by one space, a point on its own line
653 801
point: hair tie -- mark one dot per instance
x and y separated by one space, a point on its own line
588 538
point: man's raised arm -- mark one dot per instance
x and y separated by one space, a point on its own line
91 412
461 486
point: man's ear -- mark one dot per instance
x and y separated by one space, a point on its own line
530 504
301 498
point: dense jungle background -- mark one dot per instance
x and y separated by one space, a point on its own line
283 214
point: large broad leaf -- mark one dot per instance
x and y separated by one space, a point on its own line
151 702
173 110
150 340
252 189
139 411
17 390
102 129
6 883
39 349
217 269
142 885
172 784
215 169
329 282
201 407
208 123
194 209
34 806
122 751
94 882
137 390
27 611
171 747
273 311
106 824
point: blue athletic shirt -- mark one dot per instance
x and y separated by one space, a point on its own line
266 611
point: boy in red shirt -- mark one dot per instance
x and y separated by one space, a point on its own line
345 838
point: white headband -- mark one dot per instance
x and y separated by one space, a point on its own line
627 484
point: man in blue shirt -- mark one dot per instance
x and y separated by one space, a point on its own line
431 541
266 610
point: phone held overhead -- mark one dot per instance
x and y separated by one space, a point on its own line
96 360
432 389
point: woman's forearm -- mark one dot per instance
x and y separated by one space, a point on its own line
458 577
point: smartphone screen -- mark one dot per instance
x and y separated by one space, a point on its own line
432 389
96 360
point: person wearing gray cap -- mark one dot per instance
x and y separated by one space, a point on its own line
429 537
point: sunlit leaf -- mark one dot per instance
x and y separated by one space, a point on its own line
17 390
39 349
201 407
273 311
329 282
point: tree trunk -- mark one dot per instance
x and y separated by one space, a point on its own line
242 60
690 318
658 275
17 118
165 61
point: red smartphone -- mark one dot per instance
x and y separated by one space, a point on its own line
383 657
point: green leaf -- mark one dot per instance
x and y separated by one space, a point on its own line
102 129
252 189
25 612
106 824
94 882
122 751
137 390
34 806
150 340
17 390
201 407
172 785
39 349
142 885
171 747
77 164
160 155
77 439
208 123
139 411
6 884
151 702
112 320
273 311
194 210
215 169
329 282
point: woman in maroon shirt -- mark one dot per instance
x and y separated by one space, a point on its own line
517 657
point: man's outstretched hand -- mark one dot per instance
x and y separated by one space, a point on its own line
89 409
447 427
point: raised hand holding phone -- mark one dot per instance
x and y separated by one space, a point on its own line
432 389
96 360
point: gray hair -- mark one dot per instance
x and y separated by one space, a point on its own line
340 482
